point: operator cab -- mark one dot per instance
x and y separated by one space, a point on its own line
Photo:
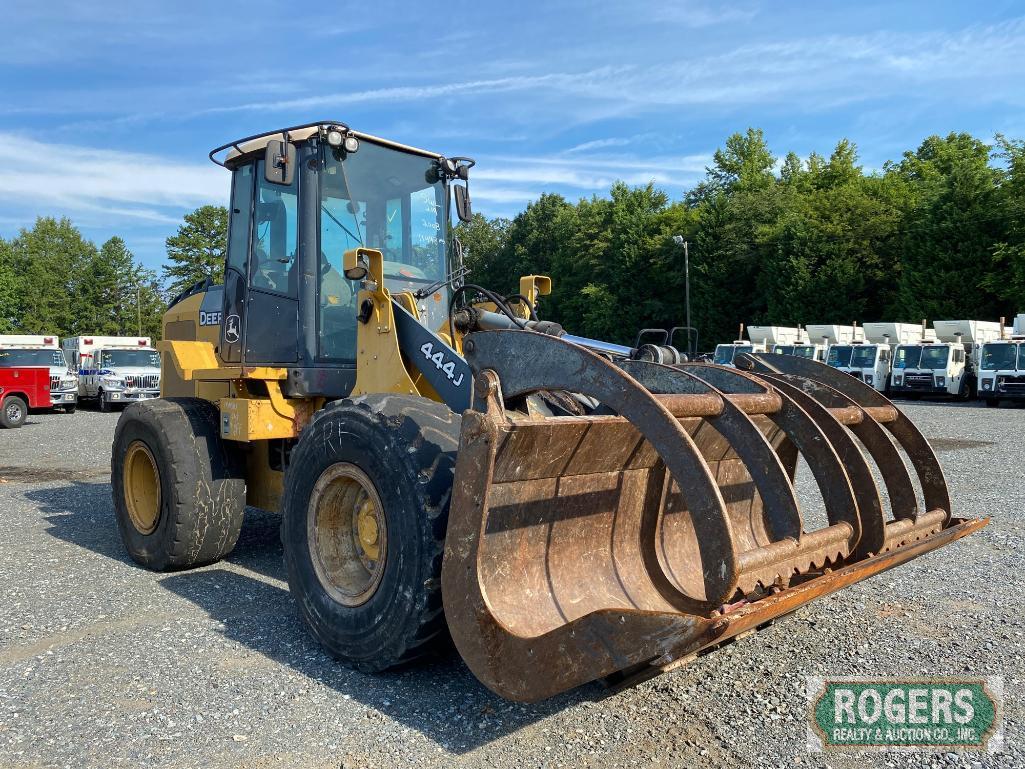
301 197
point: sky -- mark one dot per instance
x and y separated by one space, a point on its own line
108 109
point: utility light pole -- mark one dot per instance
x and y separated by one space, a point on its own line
138 306
679 240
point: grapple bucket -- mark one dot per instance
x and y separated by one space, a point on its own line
667 521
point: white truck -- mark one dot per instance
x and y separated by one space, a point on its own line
725 353
1002 366
870 360
42 350
115 369
836 342
947 364
786 340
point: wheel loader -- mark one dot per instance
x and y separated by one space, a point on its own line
449 466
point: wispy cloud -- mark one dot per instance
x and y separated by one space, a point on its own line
564 81
118 184
598 144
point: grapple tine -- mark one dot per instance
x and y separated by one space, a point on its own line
920 453
664 523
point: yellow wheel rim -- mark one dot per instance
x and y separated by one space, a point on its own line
347 534
141 487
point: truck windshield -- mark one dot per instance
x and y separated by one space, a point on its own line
935 357
864 356
908 356
1021 357
14 356
998 357
805 351
839 356
783 349
725 353
136 358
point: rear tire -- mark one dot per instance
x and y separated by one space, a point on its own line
13 411
373 609
179 490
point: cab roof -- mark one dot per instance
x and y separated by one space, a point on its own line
258 142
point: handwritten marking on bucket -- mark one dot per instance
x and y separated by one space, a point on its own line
627 541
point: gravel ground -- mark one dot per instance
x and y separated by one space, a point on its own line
103 664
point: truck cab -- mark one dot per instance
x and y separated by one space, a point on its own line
115 370
1002 367
865 361
43 350
947 364
786 340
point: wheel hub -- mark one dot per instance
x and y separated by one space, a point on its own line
141 482
347 534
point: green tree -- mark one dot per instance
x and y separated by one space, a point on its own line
8 289
948 239
482 240
1006 277
49 262
197 250
111 291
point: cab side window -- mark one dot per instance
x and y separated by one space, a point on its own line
273 266
241 204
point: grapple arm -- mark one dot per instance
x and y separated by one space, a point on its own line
580 547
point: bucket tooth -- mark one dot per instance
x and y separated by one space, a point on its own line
667 522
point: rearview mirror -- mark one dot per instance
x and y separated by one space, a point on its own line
279 162
463 210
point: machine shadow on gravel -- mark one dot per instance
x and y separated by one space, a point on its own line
262 617
82 513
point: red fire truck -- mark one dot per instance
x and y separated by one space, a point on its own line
22 388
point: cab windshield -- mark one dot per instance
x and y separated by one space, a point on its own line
389 200
935 357
908 356
864 356
12 356
999 357
725 353
805 351
129 358
839 356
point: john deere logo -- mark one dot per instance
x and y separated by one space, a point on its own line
911 714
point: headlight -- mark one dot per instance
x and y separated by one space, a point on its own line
868 379
898 380
987 384
111 381
70 383
941 381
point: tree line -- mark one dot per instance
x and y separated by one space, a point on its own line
54 281
939 233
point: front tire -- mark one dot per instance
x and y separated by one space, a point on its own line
179 490
13 411
105 405
365 509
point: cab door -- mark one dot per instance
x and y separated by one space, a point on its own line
272 305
